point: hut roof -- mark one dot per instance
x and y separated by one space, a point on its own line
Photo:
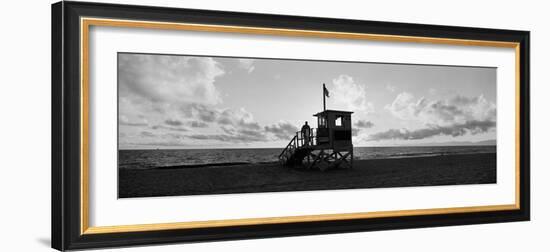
333 112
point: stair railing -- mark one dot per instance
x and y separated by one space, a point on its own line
298 141
290 146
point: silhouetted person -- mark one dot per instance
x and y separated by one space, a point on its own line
306 132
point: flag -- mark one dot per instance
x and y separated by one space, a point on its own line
325 91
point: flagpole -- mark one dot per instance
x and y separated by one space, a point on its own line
324 102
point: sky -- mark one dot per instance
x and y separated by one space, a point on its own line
179 101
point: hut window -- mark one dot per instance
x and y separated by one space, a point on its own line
338 121
322 122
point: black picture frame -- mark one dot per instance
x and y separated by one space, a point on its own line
66 125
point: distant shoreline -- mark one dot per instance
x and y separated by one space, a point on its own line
271 148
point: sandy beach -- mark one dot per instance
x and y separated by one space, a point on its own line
272 177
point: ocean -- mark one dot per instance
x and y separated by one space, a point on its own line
150 159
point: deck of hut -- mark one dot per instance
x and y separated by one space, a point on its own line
328 146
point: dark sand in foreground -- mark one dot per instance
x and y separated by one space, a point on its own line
246 178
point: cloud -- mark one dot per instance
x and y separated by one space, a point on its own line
242 136
391 88
240 117
201 112
363 124
247 64
228 130
173 122
350 95
454 130
359 126
282 130
254 135
166 139
153 88
165 79
146 134
132 124
456 110
238 130
235 117
455 116
196 124
237 125
192 124
170 94
403 106
123 120
172 128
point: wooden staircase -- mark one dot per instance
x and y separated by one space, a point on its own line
296 150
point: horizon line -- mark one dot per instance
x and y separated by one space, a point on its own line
245 148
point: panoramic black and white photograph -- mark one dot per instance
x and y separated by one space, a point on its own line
199 124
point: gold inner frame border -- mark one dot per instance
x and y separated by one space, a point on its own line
85 24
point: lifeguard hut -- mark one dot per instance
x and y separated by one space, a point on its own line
328 146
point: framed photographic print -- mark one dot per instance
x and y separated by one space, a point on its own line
180 125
